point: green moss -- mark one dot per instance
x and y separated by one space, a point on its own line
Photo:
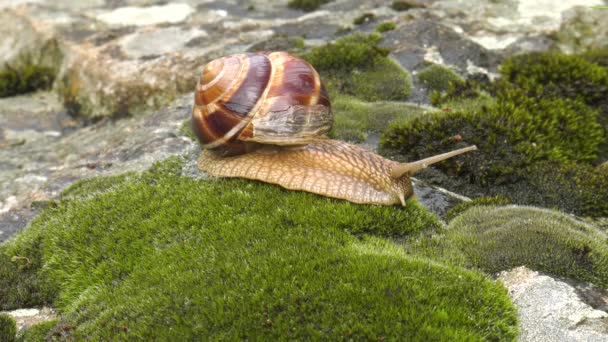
481 201
364 18
235 259
435 245
467 105
25 79
355 65
469 89
497 239
599 57
8 328
511 135
92 186
539 130
358 51
37 332
549 74
307 5
577 188
438 78
386 26
387 80
354 120
402 5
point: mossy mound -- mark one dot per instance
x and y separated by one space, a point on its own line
599 57
500 238
511 135
8 328
306 5
355 65
438 78
364 18
548 74
25 79
386 26
235 259
480 201
403 5
548 113
38 332
354 120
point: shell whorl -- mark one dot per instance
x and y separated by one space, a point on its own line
268 98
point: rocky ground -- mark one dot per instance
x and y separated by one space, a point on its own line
126 71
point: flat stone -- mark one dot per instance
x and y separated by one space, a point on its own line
550 309
171 13
158 41
25 318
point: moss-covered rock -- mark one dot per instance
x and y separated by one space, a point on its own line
355 65
306 5
25 79
38 332
539 129
8 328
403 5
599 57
500 238
549 74
577 188
438 78
364 18
511 135
386 26
235 259
480 201
357 51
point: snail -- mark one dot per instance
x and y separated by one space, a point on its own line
265 116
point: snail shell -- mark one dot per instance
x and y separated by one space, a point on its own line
259 98
265 116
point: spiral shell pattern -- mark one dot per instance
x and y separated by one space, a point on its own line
269 98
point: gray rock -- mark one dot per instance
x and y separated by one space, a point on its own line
25 318
583 29
554 310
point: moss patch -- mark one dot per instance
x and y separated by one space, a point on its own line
238 259
38 332
402 5
599 57
355 119
25 79
8 328
497 239
511 135
557 75
364 18
438 78
235 259
548 109
355 65
481 201
307 5
386 26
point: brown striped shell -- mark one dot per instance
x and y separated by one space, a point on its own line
264 98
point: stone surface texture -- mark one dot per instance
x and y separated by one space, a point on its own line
126 70
555 310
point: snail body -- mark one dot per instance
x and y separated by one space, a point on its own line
265 116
